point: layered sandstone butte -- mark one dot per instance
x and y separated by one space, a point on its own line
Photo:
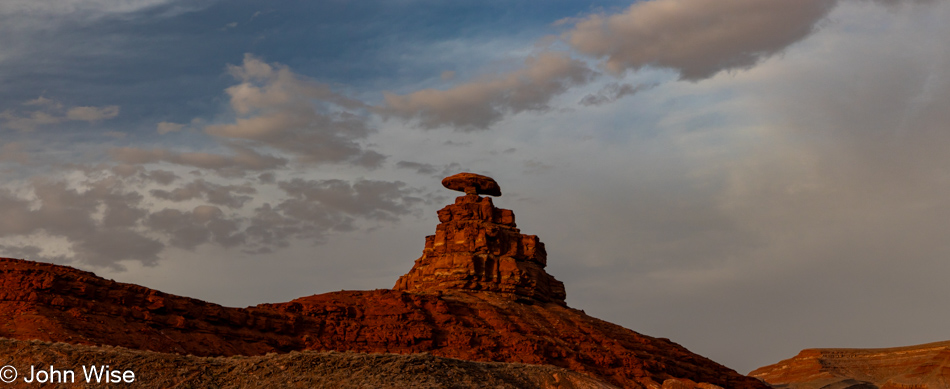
478 247
925 366
478 293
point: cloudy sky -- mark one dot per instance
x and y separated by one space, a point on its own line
746 177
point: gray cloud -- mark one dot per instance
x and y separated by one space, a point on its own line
698 38
20 251
479 104
283 110
421 168
377 200
613 92
66 212
232 196
201 225
316 208
430 169
105 219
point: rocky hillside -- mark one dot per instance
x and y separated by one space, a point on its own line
308 369
925 366
479 292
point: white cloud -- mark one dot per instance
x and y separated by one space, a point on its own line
699 38
280 109
479 104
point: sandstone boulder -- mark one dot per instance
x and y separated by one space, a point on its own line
471 183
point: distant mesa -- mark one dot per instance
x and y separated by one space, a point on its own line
472 184
925 366
479 292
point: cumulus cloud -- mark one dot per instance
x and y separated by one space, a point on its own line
280 109
52 112
698 38
479 104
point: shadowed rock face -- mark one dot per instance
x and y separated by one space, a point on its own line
479 292
925 366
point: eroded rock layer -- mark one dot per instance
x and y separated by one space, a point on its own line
925 366
478 247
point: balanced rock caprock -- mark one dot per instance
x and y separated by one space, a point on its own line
478 247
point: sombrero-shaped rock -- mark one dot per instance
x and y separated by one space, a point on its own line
472 183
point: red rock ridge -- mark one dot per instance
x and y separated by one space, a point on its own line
479 292
925 366
62 304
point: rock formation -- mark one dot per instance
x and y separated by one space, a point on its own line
62 304
925 366
479 292
478 247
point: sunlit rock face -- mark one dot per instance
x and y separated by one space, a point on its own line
478 247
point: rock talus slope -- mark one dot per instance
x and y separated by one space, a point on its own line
925 366
479 292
